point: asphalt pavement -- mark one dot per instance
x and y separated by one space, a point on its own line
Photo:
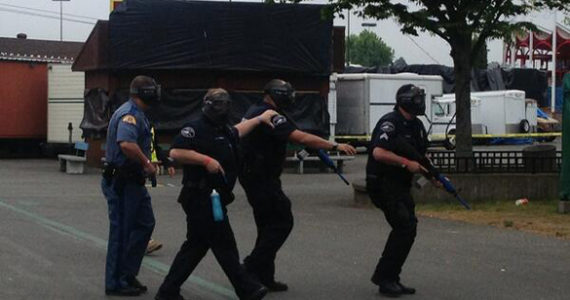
54 227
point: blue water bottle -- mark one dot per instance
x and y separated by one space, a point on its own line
217 210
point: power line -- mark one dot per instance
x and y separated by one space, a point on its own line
423 50
46 11
44 16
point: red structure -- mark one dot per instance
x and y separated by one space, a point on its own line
23 84
539 50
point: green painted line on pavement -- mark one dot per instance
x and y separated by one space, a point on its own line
149 263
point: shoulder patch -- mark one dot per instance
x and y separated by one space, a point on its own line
129 119
387 127
188 132
278 120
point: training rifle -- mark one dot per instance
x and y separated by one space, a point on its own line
323 156
405 149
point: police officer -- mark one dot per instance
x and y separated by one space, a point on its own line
158 156
388 180
127 165
264 154
207 148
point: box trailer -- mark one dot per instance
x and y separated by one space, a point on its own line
65 104
358 101
493 113
443 120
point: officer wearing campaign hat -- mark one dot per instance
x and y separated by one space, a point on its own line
127 165
388 180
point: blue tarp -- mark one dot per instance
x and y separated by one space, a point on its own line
541 114
511 141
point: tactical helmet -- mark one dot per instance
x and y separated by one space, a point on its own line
412 99
146 89
281 92
217 105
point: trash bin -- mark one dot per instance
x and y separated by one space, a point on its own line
539 158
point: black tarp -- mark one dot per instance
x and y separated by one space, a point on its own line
532 81
181 105
95 112
176 34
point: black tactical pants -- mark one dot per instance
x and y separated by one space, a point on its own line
274 220
203 233
395 200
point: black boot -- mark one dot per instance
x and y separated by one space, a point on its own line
160 296
257 294
275 286
133 281
406 289
390 288
127 291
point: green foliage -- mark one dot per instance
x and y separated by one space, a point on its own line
368 49
456 22
451 20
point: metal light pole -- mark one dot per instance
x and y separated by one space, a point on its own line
348 39
553 87
60 18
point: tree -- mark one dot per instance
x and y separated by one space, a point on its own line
368 49
457 22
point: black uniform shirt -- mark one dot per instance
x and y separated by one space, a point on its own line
390 126
218 142
265 148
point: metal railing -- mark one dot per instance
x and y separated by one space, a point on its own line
496 162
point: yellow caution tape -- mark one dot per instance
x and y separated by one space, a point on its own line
508 135
352 137
475 136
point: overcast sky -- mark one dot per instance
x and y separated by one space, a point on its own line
39 19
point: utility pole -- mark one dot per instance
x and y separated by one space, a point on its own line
553 87
348 40
60 18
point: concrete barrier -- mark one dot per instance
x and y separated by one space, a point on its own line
481 187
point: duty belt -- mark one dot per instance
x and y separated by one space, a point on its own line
372 177
201 184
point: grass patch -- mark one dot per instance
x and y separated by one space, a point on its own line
539 217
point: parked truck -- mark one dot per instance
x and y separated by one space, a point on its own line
493 114
357 101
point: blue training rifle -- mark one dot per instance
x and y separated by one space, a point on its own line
323 156
410 152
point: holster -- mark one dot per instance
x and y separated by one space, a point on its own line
127 173
205 186
108 172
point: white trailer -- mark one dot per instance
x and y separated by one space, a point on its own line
443 120
358 101
492 113
65 103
